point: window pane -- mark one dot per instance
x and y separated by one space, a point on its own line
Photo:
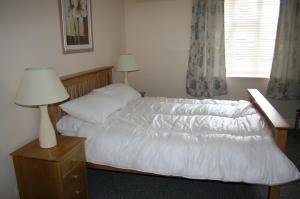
250 32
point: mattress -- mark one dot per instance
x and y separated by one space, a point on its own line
197 139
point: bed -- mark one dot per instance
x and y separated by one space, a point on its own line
80 84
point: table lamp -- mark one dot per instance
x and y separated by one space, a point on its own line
126 63
40 87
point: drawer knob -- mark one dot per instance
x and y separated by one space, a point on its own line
77 192
75 176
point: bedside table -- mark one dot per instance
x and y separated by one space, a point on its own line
55 173
143 93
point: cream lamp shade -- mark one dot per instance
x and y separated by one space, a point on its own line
40 87
126 63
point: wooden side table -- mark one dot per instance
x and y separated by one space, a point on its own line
143 93
58 172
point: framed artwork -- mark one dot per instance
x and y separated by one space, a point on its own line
76 24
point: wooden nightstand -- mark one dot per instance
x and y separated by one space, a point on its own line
143 93
55 173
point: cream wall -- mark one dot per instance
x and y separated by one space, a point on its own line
158 34
30 36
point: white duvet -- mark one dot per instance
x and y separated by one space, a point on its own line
197 139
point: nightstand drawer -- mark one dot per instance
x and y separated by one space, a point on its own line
77 192
74 183
75 176
76 158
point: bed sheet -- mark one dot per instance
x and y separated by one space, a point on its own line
197 139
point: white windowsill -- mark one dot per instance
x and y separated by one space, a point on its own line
247 76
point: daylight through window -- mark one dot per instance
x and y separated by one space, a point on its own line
250 32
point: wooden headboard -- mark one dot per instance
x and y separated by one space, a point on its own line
79 84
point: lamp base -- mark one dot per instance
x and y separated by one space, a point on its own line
126 77
47 136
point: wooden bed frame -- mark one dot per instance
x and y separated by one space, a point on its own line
84 82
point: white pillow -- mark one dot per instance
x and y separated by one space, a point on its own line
120 91
69 125
94 107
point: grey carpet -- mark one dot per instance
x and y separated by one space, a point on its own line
111 185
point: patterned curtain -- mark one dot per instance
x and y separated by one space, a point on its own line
285 75
206 75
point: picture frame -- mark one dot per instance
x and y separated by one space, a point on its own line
76 25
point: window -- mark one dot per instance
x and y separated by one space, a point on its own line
250 32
